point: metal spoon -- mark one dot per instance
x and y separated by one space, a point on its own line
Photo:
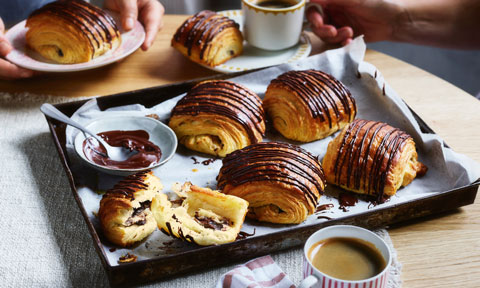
114 153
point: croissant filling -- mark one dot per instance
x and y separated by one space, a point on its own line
205 217
125 210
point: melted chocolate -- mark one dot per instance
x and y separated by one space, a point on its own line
227 99
212 224
355 150
148 153
347 200
324 207
200 29
195 161
94 23
243 235
209 161
322 93
324 217
274 162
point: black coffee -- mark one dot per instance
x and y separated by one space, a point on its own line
276 4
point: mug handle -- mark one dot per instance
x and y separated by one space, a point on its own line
316 6
308 282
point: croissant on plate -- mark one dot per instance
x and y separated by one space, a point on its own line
70 32
281 182
205 217
208 38
125 214
372 158
218 117
308 105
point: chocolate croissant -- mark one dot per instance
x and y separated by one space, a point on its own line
372 158
70 32
124 213
281 182
208 38
206 217
308 105
218 117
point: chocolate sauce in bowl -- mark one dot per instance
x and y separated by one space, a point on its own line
148 153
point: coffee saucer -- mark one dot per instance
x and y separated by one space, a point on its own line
253 58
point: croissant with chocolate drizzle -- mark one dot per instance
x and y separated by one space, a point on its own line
218 117
208 38
372 158
125 214
70 32
308 105
205 217
281 182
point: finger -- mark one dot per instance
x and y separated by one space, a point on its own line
151 15
346 42
10 71
128 13
343 34
325 31
5 46
2 26
314 17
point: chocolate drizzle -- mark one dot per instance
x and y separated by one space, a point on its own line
322 93
227 99
128 186
95 24
200 29
357 147
274 162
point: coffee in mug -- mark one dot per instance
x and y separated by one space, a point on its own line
347 258
278 4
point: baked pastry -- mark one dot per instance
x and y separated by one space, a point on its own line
218 117
70 32
208 38
372 158
282 182
124 213
308 105
206 217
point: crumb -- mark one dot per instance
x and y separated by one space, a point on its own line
154 116
194 170
128 258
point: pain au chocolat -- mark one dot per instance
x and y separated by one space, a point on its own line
125 214
209 38
281 182
372 158
205 217
308 105
70 32
218 117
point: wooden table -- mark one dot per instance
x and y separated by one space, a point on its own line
437 251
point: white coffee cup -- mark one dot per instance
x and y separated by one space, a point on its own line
315 278
274 28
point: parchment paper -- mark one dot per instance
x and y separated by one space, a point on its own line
375 100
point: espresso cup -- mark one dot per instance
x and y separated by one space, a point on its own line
313 277
274 24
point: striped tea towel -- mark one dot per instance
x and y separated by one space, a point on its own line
259 272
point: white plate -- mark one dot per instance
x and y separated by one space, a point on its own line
253 58
24 57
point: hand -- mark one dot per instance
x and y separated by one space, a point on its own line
148 12
9 71
344 19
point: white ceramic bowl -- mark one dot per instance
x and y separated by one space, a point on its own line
160 134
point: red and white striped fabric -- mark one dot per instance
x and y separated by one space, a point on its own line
259 272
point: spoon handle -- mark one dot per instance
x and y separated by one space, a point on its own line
53 112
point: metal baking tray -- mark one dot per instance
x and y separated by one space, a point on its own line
202 257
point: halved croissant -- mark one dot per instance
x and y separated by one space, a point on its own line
206 217
281 182
71 32
124 213
218 117
373 158
208 38
308 105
